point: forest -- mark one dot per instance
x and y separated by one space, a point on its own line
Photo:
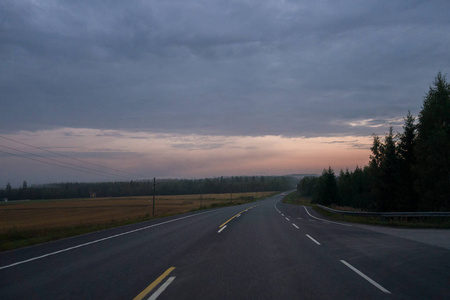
407 171
233 184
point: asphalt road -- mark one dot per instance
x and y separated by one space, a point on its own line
262 250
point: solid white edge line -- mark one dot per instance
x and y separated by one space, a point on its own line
295 226
97 241
161 288
325 220
222 229
312 239
365 277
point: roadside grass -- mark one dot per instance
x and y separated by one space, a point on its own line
402 222
296 199
33 222
16 238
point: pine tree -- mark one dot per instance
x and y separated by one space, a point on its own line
433 148
375 158
389 174
327 191
8 190
345 190
384 173
408 198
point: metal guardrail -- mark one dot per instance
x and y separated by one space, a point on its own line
387 214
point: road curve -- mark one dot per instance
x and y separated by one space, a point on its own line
261 250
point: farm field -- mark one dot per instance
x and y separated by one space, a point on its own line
30 222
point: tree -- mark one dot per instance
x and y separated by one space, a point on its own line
408 198
345 191
8 190
433 148
361 187
389 174
384 173
375 158
327 190
307 186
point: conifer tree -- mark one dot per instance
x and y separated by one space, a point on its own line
327 190
384 173
389 174
433 148
408 198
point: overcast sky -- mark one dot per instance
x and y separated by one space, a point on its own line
219 72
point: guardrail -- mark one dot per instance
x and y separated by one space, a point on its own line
387 214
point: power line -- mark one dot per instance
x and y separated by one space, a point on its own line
50 163
66 156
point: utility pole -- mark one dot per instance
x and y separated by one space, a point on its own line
154 191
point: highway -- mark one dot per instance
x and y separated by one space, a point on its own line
260 250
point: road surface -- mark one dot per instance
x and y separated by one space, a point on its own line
261 250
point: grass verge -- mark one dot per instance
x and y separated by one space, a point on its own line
437 223
296 199
16 238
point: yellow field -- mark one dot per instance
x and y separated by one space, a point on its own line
89 211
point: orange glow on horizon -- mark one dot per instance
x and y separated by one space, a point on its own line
195 156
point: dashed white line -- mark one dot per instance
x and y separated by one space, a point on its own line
312 239
365 277
295 226
161 288
222 229
287 219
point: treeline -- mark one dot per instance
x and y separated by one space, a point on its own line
235 184
408 171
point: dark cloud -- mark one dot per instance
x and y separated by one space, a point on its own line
218 67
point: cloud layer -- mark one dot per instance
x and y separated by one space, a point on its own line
209 88
292 68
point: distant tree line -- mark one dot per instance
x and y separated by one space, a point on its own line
234 184
408 171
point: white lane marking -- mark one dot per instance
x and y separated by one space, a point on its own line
365 277
99 240
282 215
222 229
300 218
161 288
311 220
295 226
312 239
287 219
238 216
325 220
